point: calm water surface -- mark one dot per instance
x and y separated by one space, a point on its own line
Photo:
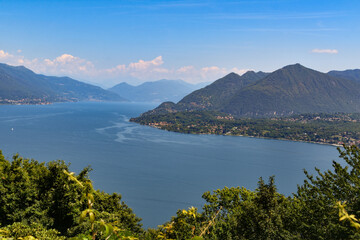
157 172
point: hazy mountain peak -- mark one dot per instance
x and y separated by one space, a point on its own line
156 91
124 84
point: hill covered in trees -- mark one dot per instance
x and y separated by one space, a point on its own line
213 96
293 89
46 201
274 105
19 85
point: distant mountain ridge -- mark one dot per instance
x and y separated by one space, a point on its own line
21 85
292 89
353 74
157 91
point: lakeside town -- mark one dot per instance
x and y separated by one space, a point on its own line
335 129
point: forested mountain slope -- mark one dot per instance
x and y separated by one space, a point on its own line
293 89
21 85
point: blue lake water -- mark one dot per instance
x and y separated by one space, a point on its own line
157 172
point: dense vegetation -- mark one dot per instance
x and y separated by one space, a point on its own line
39 201
45 201
319 128
311 213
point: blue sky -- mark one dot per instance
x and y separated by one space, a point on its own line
107 42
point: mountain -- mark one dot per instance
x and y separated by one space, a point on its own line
214 95
158 91
290 90
295 89
348 74
19 84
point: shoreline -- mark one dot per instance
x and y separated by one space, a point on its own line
234 135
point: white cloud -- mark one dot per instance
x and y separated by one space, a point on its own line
330 51
161 70
10 58
186 69
192 74
213 71
65 64
153 70
143 70
4 55
141 64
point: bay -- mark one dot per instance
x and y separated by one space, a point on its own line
157 172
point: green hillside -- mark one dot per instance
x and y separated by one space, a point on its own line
21 85
19 82
295 89
214 95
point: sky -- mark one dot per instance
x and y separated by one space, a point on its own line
108 42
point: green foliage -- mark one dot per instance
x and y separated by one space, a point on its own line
321 193
99 229
345 216
46 195
313 212
185 225
41 201
236 213
262 214
33 231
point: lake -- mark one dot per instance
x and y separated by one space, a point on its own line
157 172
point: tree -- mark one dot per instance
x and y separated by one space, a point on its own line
259 214
39 193
319 195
